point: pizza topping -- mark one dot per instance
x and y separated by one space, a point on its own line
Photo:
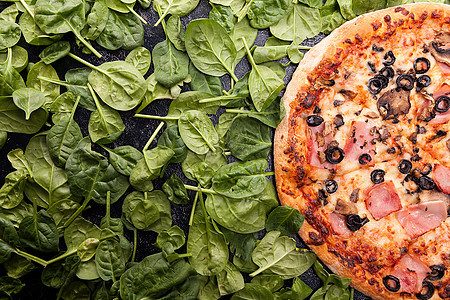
445 69
338 224
426 183
437 272
440 54
331 186
420 218
348 95
393 103
338 121
422 82
410 271
364 158
427 114
426 292
389 58
405 82
387 72
314 120
382 200
442 104
377 176
345 208
372 66
421 65
391 283
354 196
334 155
377 83
441 175
405 166
375 48
358 142
355 222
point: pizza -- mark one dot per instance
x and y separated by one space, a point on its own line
364 151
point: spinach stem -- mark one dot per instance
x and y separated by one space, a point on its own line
150 140
31 257
87 64
199 189
227 153
191 217
244 11
161 17
300 47
133 257
220 98
269 173
165 118
86 43
239 111
27 8
54 81
77 212
250 57
62 256
108 205
137 15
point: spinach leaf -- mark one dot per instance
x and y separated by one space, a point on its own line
224 16
39 232
203 167
10 285
269 53
124 158
105 124
271 116
124 79
230 280
313 3
245 215
153 277
109 260
241 179
76 290
59 273
9 13
18 213
87 249
62 106
360 7
171 65
204 83
33 34
191 101
210 48
9 239
331 16
61 210
138 210
113 224
55 52
175 190
263 13
241 30
11 193
285 219
9 34
346 8
77 80
278 255
271 282
210 291
174 7
253 291
79 231
208 249
174 235
18 266
197 131
301 288
175 33
241 244
12 118
50 90
3 138
189 289
300 23
97 20
171 138
19 58
249 139
140 58
10 79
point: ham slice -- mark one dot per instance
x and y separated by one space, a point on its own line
360 142
421 218
444 68
382 199
441 176
411 272
338 224
314 148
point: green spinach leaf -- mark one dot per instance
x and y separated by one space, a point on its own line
285 219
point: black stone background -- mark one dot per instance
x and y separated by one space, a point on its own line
136 134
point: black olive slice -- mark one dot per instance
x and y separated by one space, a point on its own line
372 67
426 292
426 183
437 272
389 58
387 72
423 81
314 120
405 81
364 159
375 48
427 169
405 166
377 176
377 83
421 65
387 281
334 155
331 186
355 222
442 104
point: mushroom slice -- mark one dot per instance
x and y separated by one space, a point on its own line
394 103
440 52
348 95
345 208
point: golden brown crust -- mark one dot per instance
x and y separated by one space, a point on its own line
291 169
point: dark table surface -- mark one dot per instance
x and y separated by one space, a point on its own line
136 134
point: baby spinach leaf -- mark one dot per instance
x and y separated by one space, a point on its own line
61 210
285 219
331 16
18 266
210 48
18 213
12 118
10 79
197 131
3 138
62 106
253 291
19 58
271 282
87 249
124 79
301 22
18 161
9 34
241 179
242 215
171 138
165 218
11 193
301 288
269 53
312 3
77 80
57 274
9 13
139 210
9 239
263 13
230 280
171 65
360 7
140 58
240 30
278 255
204 83
33 34
174 7
97 20
54 52
208 249
224 16
50 90
109 260
175 32
173 236
79 231
76 290
39 232
175 190
346 8
191 101
249 139
203 167
241 244
114 224
189 289
10 285
124 158
153 277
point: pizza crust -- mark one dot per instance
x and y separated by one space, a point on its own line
361 26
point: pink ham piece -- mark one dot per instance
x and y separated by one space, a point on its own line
313 147
441 176
338 224
382 199
421 218
444 68
411 272
360 143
